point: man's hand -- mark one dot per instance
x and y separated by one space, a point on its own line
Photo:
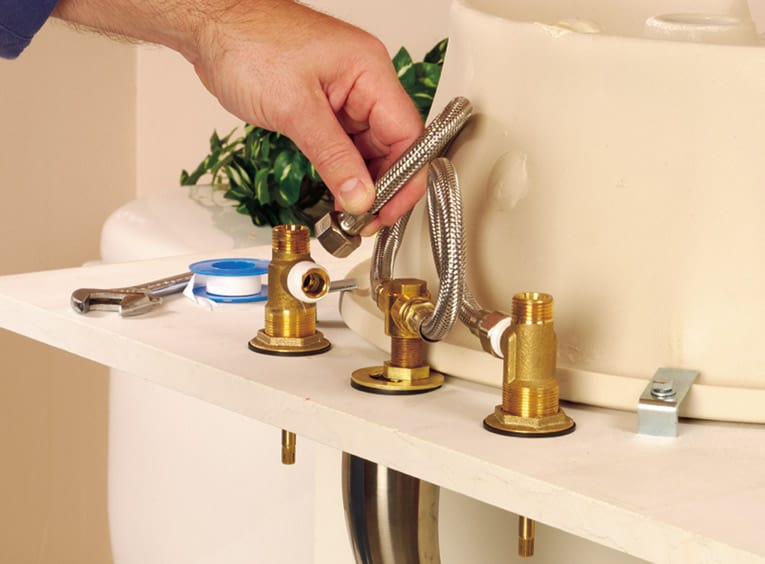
327 85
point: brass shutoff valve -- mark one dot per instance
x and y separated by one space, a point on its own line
530 404
405 303
529 388
295 284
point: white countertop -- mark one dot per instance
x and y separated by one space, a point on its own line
698 498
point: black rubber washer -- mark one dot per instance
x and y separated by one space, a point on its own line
390 392
529 435
282 353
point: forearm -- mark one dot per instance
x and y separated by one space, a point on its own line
178 24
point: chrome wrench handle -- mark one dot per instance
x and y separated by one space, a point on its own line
128 300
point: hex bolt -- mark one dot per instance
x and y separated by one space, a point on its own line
662 388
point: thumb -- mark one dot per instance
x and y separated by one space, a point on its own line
334 156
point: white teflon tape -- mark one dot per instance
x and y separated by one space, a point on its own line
228 280
495 335
233 285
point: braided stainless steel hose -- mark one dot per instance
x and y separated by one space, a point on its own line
448 248
431 143
446 235
385 251
338 232
487 325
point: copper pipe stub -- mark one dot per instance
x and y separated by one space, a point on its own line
291 323
530 398
404 303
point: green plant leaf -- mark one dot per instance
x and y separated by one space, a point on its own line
402 60
428 75
261 189
437 54
405 70
289 170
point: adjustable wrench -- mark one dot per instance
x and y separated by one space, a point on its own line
135 300
130 300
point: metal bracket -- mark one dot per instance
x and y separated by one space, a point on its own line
660 401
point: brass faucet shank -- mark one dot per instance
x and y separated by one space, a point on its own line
530 404
290 323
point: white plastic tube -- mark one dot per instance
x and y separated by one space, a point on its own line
308 281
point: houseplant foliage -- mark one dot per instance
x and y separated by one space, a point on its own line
270 178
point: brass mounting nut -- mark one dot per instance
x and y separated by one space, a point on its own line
333 238
395 380
289 346
530 400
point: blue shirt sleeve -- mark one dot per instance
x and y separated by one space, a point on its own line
19 21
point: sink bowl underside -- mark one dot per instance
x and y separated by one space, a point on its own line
622 175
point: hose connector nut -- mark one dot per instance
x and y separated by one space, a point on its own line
490 329
333 238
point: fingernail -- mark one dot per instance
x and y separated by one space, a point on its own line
354 196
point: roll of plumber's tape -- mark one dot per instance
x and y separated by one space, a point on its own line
229 280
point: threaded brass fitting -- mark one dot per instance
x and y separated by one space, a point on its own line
530 404
526 534
289 443
405 303
291 323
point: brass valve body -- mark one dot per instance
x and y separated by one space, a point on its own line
290 323
530 389
405 302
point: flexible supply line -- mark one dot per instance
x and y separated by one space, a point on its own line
446 232
448 247
385 251
431 144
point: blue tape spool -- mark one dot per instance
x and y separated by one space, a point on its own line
228 268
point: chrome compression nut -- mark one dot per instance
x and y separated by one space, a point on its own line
489 330
333 238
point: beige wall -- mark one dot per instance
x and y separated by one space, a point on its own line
67 158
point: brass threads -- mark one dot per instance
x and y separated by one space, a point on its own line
405 302
289 323
407 353
530 395
290 240
289 444
290 327
530 402
532 308
526 534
